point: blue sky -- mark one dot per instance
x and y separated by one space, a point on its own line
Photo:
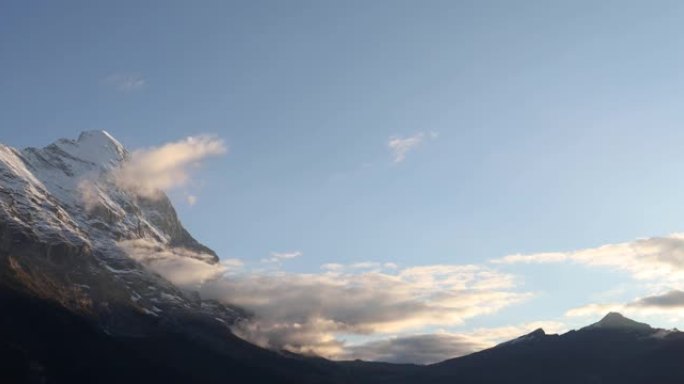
537 126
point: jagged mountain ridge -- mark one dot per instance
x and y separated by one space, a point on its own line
74 176
61 200
613 350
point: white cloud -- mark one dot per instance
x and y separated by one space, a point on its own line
277 257
333 267
400 146
312 313
191 199
537 258
183 267
149 171
655 258
308 313
90 194
315 313
363 265
125 82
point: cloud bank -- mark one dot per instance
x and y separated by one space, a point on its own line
314 313
307 313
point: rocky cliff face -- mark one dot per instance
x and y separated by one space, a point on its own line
62 220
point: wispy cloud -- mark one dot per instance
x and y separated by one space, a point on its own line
367 265
654 258
191 199
277 257
125 82
400 146
537 258
147 172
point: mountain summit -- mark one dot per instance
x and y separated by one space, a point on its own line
616 321
71 234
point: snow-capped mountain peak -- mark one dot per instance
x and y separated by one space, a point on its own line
76 176
97 147
64 196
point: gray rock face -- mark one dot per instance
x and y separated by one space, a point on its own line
62 219
161 214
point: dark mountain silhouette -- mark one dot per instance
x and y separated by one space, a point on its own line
74 308
613 350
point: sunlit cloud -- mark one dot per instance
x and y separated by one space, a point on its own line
308 313
654 258
148 172
183 267
312 313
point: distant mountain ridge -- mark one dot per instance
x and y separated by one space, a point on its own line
613 350
76 308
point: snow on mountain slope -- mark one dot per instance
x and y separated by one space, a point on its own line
66 198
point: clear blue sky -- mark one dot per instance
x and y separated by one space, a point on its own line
558 123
